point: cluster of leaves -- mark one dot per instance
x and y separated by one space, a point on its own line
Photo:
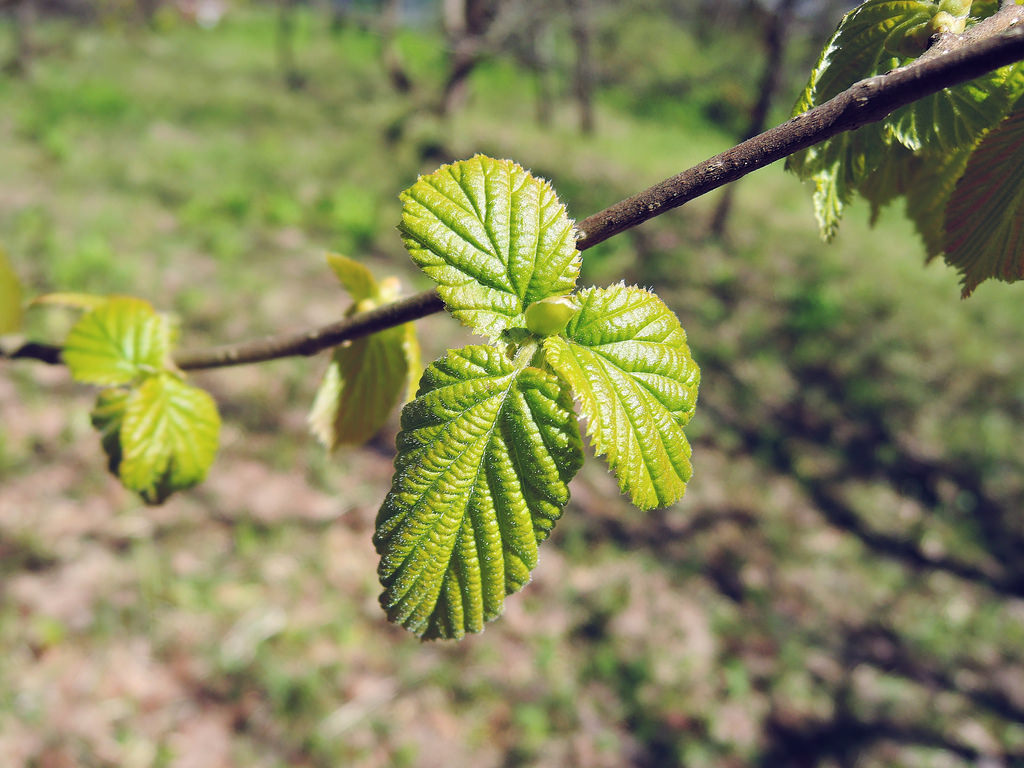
160 434
365 377
491 439
949 155
490 442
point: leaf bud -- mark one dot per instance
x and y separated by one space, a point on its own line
958 8
943 22
549 316
912 42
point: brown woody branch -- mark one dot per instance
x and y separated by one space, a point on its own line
962 58
316 340
867 101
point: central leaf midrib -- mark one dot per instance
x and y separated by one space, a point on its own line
481 216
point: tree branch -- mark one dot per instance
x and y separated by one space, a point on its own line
956 59
317 340
867 101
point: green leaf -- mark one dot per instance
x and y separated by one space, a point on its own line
169 434
858 48
953 118
985 215
981 9
888 182
366 376
70 300
10 297
413 361
871 39
364 380
493 237
486 451
626 359
357 279
839 168
119 341
929 187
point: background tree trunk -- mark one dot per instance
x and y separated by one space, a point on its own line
147 10
293 78
583 73
23 13
538 55
392 59
466 23
775 27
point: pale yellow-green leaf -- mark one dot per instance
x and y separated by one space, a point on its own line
364 380
413 360
366 376
169 436
70 300
625 356
11 309
493 237
117 342
354 276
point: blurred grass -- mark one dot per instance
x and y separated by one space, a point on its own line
858 439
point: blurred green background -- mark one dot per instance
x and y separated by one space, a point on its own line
843 584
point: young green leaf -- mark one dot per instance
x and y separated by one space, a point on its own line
862 46
493 237
365 377
117 342
953 118
169 433
70 300
981 9
364 380
357 279
929 186
874 37
413 360
486 451
985 215
625 356
888 182
839 168
10 297
550 316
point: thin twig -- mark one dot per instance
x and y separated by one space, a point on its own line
867 101
316 340
961 59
